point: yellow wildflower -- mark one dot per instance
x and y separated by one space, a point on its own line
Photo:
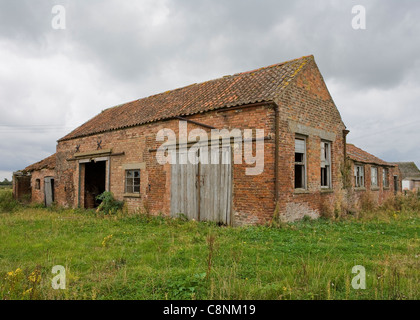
35 277
27 292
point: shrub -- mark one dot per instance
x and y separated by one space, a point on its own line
367 202
109 205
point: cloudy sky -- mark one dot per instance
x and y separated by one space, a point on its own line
116 51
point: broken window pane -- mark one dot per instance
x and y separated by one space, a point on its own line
359 180
299 176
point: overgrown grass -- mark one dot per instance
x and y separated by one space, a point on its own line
7 203
144 257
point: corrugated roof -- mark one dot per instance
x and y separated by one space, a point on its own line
47 163
360 155
259 85
408 170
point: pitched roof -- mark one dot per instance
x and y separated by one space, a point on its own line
409 170
47 163
261 85
360 155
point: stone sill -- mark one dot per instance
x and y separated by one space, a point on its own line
374 188
131 195
327 190
360 189
387 188
301 191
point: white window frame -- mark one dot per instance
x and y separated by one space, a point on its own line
326 162
303 163
359 176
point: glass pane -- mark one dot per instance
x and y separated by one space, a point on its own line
298 157
129 174
299 176
136 189
136 174
299 146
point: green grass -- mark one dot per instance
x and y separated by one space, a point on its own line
159 258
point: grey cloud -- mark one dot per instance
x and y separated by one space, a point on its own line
117 51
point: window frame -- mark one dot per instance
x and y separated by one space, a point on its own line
359 181
326 158
303 163
372 184
133 184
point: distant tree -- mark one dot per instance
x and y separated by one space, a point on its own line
5 182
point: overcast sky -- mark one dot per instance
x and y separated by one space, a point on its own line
116 51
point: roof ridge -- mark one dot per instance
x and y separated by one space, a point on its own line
274 65
219 78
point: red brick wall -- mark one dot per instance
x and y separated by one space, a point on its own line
253 196
306 108
379 194
38 195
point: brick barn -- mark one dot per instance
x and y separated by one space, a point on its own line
304 139
372 175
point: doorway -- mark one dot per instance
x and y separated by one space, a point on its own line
94 182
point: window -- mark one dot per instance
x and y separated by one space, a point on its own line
374 176
132 181
359 176
300 163
37 184
385 177
325 164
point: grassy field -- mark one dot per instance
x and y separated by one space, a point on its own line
143 257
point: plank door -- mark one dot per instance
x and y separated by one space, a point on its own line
203 191
49 191
216 187
184 192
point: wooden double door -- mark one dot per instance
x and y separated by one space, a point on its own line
203 191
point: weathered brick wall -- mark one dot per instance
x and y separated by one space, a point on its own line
253 196
377 194
38 195
307 109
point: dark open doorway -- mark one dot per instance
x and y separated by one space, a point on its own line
95 177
